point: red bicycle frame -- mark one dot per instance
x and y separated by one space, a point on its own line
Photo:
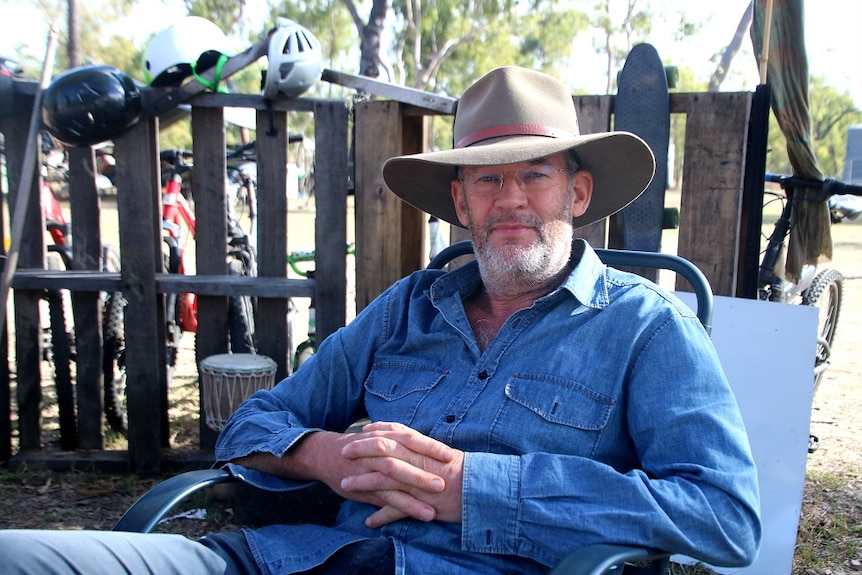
176 212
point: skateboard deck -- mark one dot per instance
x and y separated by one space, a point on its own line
642 107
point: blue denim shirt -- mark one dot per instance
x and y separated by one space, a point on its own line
598 415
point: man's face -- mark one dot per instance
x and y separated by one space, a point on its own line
520 216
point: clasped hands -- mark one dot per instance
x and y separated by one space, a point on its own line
398 469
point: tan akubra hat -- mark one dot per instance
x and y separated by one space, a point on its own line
514 115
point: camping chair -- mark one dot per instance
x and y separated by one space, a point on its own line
146 513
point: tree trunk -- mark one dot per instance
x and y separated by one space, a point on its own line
369 62
727 56
74 42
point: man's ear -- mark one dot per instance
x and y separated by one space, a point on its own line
582 187
457 190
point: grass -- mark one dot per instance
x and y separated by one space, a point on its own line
830 526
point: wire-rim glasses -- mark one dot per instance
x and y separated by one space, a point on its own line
532 179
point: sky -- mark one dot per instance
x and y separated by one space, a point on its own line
833 39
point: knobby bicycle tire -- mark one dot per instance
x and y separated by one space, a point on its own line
59 354
114 363
828 284
173 332
241 316
61 357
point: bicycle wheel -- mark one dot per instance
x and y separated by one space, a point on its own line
59 353
114 363
60 357
173 332
825 292
240 316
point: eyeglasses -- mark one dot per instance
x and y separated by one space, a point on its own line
532 180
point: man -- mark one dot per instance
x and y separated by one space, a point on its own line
522 406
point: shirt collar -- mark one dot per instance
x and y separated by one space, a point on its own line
588 280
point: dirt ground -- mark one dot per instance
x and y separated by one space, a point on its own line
837 411
830 539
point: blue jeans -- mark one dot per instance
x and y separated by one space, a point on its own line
42 552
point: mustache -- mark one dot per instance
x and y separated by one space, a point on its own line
520 219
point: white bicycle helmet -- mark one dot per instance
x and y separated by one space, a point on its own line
191 45
294 61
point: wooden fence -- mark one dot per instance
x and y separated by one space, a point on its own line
389 241
142 280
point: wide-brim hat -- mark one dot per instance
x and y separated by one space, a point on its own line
514 115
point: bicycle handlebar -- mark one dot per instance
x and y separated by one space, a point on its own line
829 186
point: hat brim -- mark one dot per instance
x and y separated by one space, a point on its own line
621 164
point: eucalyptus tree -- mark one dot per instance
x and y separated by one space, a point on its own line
635 23
447 44
832 113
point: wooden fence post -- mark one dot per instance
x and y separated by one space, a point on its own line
86 255
138 201
272 157
28 333
330 224
711 198
389 237
208 191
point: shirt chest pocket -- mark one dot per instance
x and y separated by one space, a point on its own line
395 390
548 413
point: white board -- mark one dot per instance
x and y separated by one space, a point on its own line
767 351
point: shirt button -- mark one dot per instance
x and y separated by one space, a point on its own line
450 419
483 375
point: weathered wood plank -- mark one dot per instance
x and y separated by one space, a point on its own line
379 134
86 308
402 94
140 248
210 205
330 225
272 159
256 102
711 198
210 285
5 379
28 336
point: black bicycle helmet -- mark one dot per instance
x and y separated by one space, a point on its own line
90 104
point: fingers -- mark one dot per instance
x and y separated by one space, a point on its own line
404 472
385 515
393 475
396 440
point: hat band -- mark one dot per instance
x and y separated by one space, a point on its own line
511 130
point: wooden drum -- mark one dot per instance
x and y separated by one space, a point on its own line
229 378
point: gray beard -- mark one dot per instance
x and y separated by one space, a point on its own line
517 266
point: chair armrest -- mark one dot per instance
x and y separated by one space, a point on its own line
152 506
599 558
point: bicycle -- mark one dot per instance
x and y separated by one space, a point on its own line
178 225
58 340
308 346
177 219
822 288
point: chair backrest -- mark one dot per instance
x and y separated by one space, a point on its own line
611 257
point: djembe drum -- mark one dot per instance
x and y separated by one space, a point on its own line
227 379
